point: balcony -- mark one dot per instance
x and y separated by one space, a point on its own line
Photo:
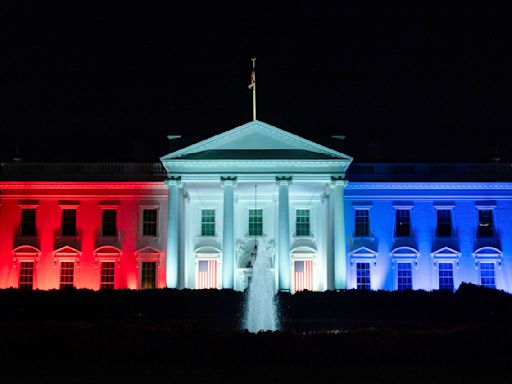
72 241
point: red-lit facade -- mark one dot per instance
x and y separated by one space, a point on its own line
57 234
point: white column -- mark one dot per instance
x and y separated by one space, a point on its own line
340 251
283 255
228 236
330 242
172 265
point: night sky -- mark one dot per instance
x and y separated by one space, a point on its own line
86 81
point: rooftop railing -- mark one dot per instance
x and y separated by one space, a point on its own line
430 172
82 171
356 172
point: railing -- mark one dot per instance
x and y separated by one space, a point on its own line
430 171
82 171
356 171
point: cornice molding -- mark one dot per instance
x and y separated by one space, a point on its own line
430 185
9 185
254 163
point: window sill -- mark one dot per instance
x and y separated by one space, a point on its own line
304 237
206 237
368 238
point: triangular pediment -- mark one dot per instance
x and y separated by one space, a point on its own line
66 250
363 252
256 140
148 251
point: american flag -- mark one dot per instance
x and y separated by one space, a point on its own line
303 275
253 79
207 274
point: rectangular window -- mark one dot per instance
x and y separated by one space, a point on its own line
363 276
404 276
403 222
67 274
108 269
444 222
485 223
487 275
446 276
362 223
26 279
207 274
109 222
208 222
255 222
28 222
149 222
302 223
69 222
303 275
148 275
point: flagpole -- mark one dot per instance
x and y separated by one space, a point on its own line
253 89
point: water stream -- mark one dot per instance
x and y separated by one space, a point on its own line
261 305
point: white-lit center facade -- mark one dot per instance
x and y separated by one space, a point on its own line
256 183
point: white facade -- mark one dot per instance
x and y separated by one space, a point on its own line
256 166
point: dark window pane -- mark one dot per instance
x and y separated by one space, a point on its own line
107 275
446 276
302 226
487 275
404 276
69 222
26 277
363 276
67 274
485 223
255 222
109 225
444 222
149 222
208 222
403 222
148 275
28 222
362 222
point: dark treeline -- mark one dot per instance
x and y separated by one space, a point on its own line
170 336
224 309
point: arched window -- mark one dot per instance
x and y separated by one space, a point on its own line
488 261
25 259
108 258
148 263
362 261
405 262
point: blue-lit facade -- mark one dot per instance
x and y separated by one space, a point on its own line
429 234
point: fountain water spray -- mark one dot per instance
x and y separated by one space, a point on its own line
261 302
261 305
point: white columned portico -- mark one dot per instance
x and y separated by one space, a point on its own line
172 265
340 253
284 233
228 236
256 153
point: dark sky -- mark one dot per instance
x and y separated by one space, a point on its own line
85 81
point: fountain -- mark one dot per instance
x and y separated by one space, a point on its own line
261 302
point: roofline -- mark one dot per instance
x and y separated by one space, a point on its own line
221 136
